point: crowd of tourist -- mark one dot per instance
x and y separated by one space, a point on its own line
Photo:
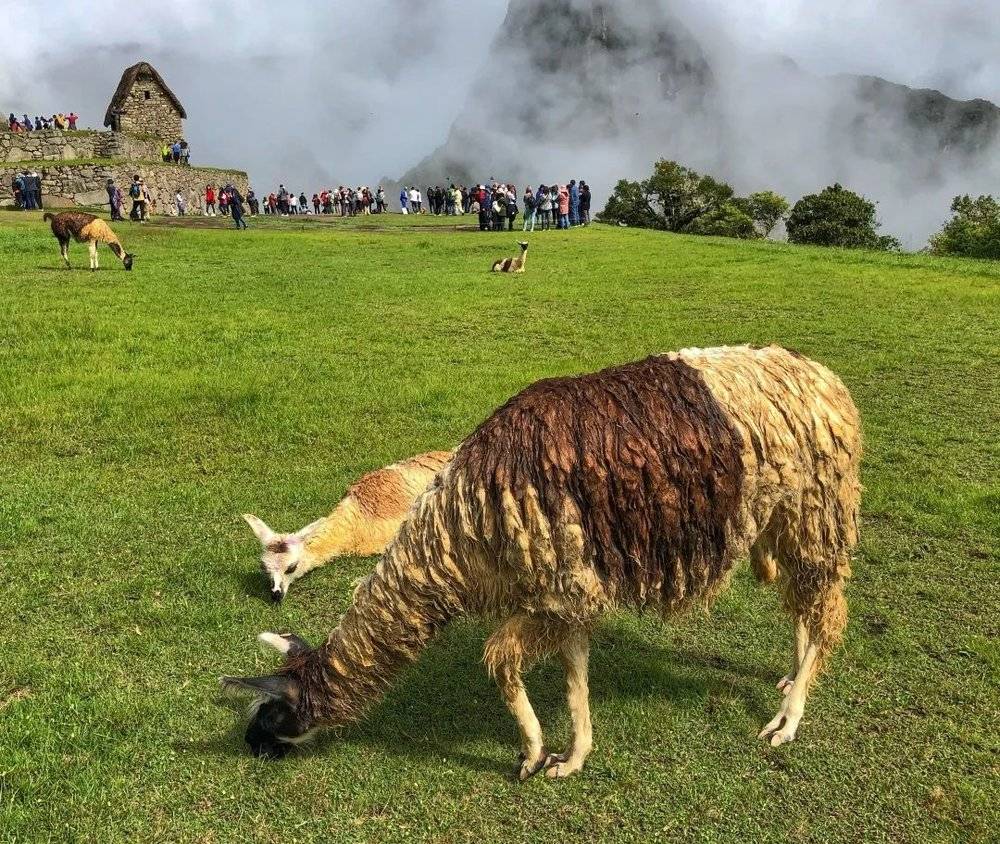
26 187
496 204
57 121
342 201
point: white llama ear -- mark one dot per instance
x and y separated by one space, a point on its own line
261 530
286 643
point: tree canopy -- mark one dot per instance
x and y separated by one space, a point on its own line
837 217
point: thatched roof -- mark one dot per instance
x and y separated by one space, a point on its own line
128 80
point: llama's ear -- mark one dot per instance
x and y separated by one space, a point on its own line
286 643
261 530
275 687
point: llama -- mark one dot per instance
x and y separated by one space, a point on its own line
364 522
85 228
513 265
639 486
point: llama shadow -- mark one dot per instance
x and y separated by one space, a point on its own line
447 703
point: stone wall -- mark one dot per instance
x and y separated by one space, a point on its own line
153 116
67 185
59 145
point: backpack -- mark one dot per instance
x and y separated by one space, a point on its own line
134 191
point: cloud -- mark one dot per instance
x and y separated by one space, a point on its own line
315 94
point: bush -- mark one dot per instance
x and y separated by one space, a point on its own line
973 231
766 209
731 219
837 217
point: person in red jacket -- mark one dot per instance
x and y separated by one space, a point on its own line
209 200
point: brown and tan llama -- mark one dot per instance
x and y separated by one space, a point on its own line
640 486
363 522
85 228
513 265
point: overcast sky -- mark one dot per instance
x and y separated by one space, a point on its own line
311 93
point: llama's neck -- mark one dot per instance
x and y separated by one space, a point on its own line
396 611
332 536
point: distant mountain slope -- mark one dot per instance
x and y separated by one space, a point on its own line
600 88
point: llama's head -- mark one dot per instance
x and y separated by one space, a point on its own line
127 260
523 244
278 721
280 555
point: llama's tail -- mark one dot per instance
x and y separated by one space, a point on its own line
47 216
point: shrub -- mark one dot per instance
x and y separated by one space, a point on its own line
731 219
973 231
766 208
837 217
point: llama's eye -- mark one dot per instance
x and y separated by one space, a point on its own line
291 568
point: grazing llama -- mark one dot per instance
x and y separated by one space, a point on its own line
637 486
364 522
513 265
89 229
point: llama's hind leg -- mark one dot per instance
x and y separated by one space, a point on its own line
64 251
93 254
821 615
509 652
799 651
575 653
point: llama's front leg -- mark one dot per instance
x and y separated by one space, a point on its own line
575 654
507 652
93 254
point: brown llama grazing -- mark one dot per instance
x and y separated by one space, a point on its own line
364 522
640 486
85 228
513 265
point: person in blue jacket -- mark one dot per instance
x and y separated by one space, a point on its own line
574 203
402 200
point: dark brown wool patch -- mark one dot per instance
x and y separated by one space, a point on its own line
67 224
646 453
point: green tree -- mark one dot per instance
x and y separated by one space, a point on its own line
973 231
767 208
837 217
672 198
731 219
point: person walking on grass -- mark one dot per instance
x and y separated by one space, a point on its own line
236 206
181 204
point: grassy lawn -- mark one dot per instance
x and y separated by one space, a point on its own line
261 371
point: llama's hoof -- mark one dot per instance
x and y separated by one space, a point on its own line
560 765
527 768
780 730
785 684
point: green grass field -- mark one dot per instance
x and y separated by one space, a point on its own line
261 371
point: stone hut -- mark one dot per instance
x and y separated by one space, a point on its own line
74 166
144 105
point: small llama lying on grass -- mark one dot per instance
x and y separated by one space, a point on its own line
364 522
513 265
641 486
85 228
